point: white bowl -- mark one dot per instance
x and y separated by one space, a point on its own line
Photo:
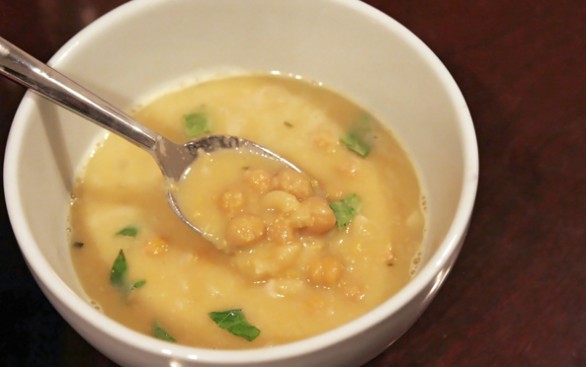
141 47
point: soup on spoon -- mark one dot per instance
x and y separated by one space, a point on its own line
241 198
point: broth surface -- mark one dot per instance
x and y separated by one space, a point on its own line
293 273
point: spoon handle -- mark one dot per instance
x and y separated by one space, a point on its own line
26 70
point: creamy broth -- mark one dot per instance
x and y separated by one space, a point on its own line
301 272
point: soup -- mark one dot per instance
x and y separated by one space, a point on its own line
303 252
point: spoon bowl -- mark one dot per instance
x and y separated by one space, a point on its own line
174 162
173 159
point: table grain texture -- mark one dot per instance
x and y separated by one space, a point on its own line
517 294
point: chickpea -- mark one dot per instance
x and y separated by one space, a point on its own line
326 271
258 179
281 231
293 182
314 215
244 230
281 201
334 193
231 201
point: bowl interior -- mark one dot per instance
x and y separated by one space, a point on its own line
140 50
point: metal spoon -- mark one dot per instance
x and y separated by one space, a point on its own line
173 159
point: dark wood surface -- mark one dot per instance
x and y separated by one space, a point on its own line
517 294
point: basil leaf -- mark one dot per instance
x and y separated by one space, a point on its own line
196 124
160 333
119 270
345 209
129 231
235 322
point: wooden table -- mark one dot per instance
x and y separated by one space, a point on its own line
517 294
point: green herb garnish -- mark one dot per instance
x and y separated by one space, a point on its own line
78 244
235 322
137 284
128 231
119 270
160 333
356 144
119 273
345 209
359 138
197 123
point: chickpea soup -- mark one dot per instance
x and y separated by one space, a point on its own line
301 253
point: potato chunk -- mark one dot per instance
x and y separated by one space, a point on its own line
281 201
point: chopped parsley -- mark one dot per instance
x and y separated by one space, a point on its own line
197 123
128 231
345 209
359 138
137 284
119 270
235 322
160 333
119 273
